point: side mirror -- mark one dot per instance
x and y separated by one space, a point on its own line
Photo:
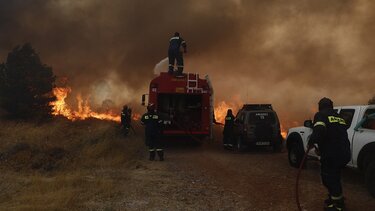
308 123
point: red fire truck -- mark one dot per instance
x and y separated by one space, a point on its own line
186 101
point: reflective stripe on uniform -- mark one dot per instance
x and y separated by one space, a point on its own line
183 42
334 119
159 150
320 123
146 117
151 150
174 38
171 65
155 117
228 118
336 197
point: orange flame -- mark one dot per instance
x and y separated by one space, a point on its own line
60 107
221 110
136 116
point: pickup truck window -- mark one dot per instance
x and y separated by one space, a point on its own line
347 115
369 123
369 111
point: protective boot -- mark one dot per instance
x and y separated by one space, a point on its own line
328 201
161 155
335 205
152 155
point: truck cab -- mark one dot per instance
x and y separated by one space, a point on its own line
360 120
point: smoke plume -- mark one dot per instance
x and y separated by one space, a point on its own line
288 53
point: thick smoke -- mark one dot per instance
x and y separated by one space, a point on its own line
288 53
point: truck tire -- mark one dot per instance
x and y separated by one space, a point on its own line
370 177
240 147
295 154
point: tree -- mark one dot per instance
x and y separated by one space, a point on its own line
26 84
372 100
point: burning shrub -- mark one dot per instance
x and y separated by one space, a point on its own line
26 84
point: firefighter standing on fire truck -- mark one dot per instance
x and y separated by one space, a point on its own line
153 124
329 132
176 44
228 130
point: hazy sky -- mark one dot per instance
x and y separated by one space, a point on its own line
286 52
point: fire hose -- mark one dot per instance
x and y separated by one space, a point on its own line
299 173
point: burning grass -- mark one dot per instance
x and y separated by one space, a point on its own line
63 164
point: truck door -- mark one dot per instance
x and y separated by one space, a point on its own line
348 115
364 133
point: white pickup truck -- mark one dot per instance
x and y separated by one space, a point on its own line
361 134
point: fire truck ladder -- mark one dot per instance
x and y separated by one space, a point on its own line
192 84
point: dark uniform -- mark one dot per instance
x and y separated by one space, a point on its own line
153 124
175 53
330 134
228 130
126 117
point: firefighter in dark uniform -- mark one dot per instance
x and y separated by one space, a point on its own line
126 117
176 44
153 125
329 132
228 130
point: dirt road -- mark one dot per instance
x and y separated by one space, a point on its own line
211 178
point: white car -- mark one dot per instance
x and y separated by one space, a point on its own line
361 134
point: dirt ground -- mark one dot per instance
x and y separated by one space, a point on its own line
211 178
107 171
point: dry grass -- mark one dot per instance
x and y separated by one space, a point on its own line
63 165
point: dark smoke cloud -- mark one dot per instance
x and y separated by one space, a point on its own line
288 53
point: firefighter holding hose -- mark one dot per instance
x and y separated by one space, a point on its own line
153 125
329 132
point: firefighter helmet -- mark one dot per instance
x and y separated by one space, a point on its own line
325 103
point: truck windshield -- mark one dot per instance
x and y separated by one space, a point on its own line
261 117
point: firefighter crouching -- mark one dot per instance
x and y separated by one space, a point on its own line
228 130
329 132
153 126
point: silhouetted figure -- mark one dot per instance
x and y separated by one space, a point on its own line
228 136
177 46
153 125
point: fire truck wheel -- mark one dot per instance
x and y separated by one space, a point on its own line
370 177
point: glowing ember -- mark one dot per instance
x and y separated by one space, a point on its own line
136 116
284 132
60 107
